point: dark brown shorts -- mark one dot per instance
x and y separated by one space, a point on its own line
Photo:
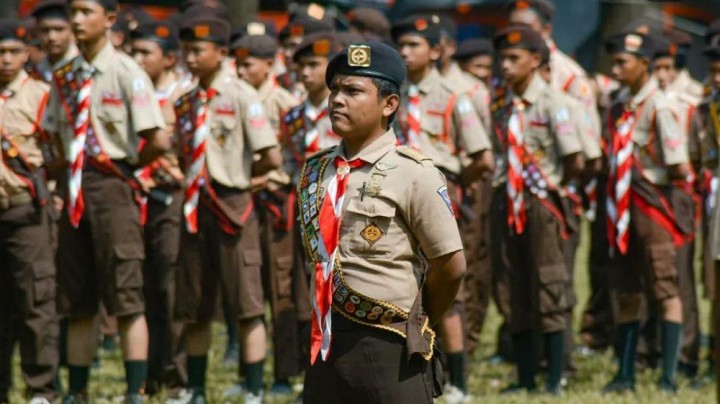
102 259
212 260
650 261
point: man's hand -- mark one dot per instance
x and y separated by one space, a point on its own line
442 284
158 143
482 162
270 159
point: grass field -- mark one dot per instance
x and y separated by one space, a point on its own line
485 380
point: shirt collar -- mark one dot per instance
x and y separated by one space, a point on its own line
534 89
102 60
644 93
425 85
312 112
375 150
266 88
17 83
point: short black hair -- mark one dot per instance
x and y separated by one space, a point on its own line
386 88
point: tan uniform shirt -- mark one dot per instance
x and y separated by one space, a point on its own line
45 69
238 129
277 102
690 88
659 139
683 107
407 200
122 104
588 138
19 119
467 133
550 132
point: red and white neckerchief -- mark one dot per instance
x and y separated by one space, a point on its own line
414 113
619 181
196 166
329 219
78 145
313 138
517 218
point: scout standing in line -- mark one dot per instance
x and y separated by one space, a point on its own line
648 153
475 57
255 57
443 125
101 106
27 266
538 151
56 37
221 125
667 65
155 48
377 225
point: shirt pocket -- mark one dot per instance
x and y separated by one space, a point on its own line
432 123
113 118
222 130
367 227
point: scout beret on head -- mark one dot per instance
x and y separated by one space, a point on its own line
12 29
633 42
370 19
519 36
109 5
51 9
448 28
206 28
473 47
162 33
260 46
662 47
545 9
422 25
253 28
321 44
368 59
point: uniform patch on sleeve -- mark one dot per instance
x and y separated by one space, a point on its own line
138 85
464 106
443 192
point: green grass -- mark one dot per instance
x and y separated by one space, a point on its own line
485 380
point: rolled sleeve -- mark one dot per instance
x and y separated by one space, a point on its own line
142 103
258 131
471 132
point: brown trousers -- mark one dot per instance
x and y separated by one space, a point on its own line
166 364
27 299
367 365
535 263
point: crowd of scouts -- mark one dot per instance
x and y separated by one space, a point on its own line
161 171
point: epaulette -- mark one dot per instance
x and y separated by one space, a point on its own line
321 153
412 154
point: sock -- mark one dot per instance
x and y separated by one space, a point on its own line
554 348
456 366
523 345
627 339
79 376
254 376
197 365
671 336
135 376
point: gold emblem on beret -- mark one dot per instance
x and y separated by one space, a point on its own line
372 233
321 47
256 28
514 37
359 56
633 42
202 31
162 31
421 24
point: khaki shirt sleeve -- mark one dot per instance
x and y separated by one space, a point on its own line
430 214
588 136
565 127
471 132
143 106
672 136
258 132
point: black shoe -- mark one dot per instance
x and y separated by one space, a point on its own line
619 386
667 386
517 389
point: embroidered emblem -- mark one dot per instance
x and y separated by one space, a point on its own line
359 56
372 233
443 192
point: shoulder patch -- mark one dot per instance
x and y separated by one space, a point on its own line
412 154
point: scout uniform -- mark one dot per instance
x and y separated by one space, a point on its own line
27 267
644 130
219 130
52 9
534 133
161 215
276 207
388 228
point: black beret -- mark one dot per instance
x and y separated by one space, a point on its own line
370 19
206 28
679 38
713 31
304 25
473 47
12 29
368 59
161 32
630 42
662 47
106 4
214 4
325 44
544 8
519 36
255 27
425 26
261 46
448 28
51 9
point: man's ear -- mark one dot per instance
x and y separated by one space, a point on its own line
392 102
435 52
110 18
536 60
547 30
